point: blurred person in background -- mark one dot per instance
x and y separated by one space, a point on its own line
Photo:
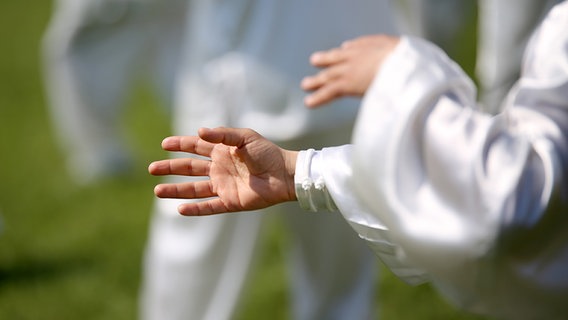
94 52
504 27
439 21
442 190
241 66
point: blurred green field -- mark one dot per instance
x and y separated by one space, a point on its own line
75 253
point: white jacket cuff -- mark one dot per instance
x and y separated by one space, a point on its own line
311 191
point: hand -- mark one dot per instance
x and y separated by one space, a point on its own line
347 70
246 171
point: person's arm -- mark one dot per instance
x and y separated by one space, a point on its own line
468 197
247 171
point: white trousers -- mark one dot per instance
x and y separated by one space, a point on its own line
93 51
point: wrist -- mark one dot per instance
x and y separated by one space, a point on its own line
290 159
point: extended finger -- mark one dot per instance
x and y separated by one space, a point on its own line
311 83
186 190
322 59
190 144
203 208
322 78
324 95
236 137
186 167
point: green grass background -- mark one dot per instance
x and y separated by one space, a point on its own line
75 253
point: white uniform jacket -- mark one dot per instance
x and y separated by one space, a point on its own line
444 192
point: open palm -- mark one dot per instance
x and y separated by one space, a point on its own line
246 171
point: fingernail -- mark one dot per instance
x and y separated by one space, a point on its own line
316 56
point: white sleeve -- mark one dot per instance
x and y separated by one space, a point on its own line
353 175
461 193
477 202
324 181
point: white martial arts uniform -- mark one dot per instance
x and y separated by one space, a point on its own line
245 61
94 50
445 192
